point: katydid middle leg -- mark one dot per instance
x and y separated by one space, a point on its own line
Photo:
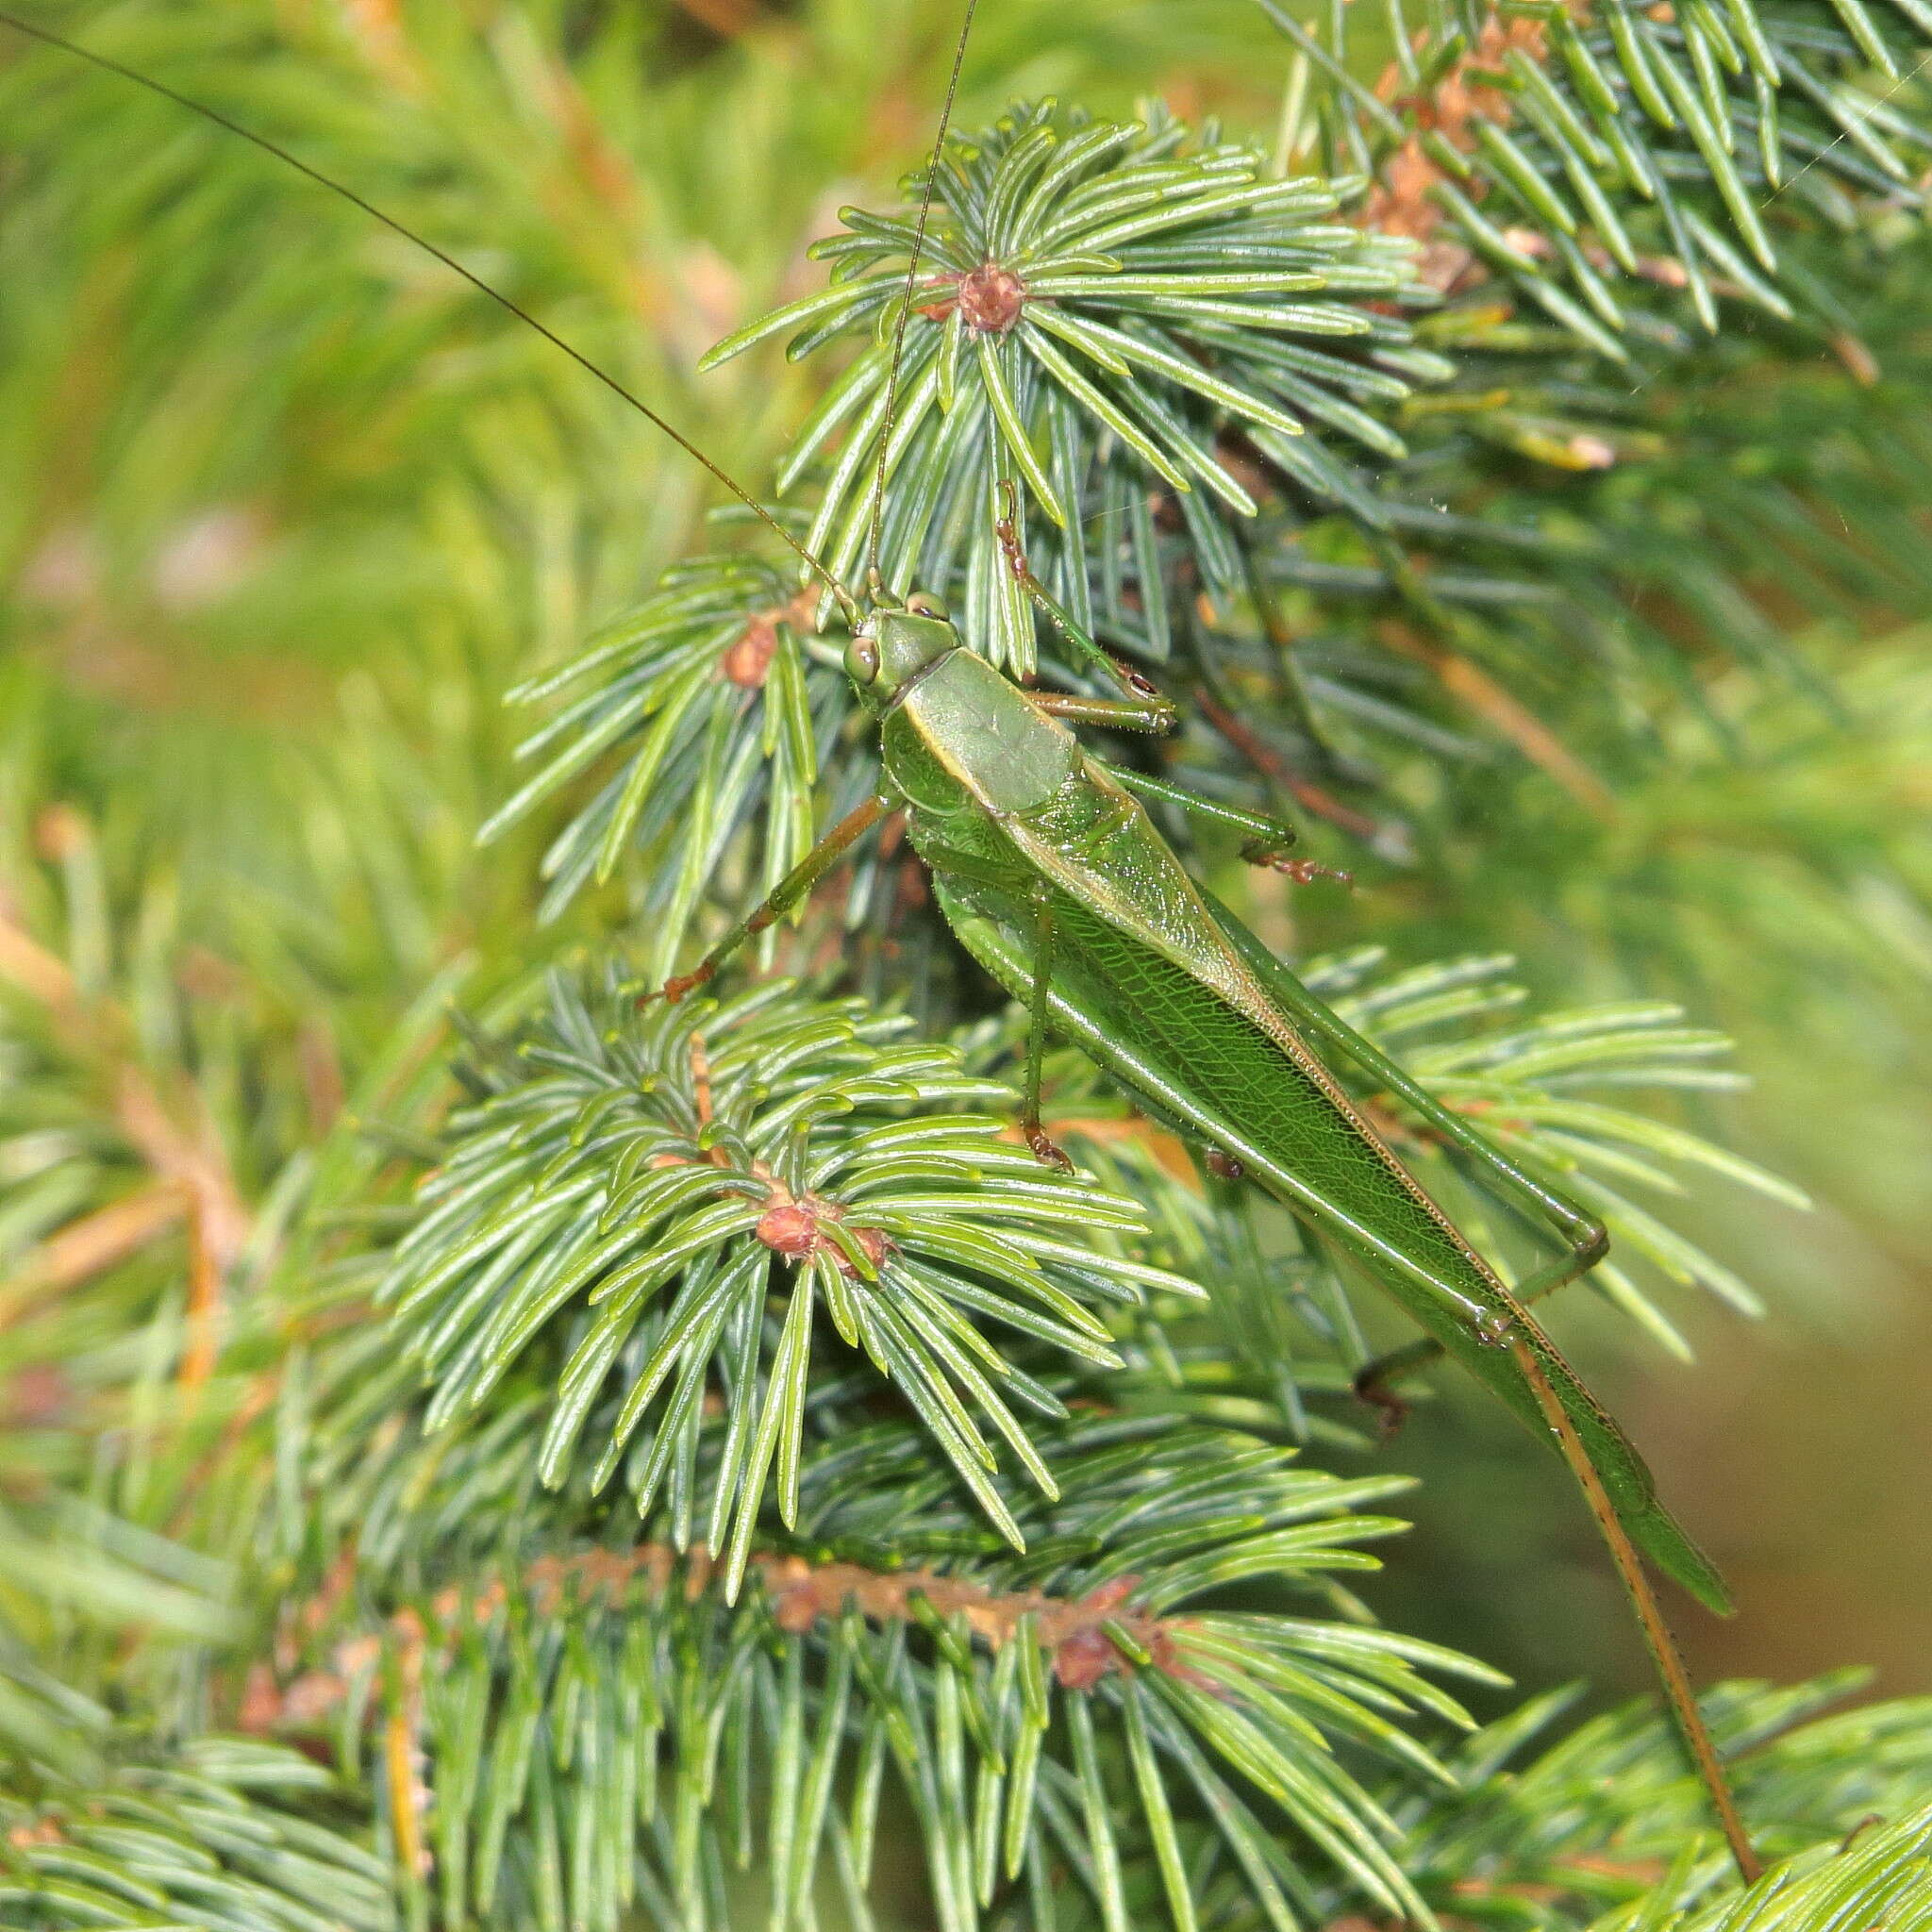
1375 1382
1515 1329
1588 1238
1267 839
793 887
1036 1009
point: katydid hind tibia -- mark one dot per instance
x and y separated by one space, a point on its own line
1054 877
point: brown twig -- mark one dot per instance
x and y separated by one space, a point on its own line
94 1243
379 28
408 1789
1404 202
1078 1633
701 1084
727 19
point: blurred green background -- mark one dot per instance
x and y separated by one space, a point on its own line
284 509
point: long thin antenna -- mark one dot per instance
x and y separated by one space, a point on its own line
932 175
846 601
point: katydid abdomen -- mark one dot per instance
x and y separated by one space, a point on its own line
1171 1000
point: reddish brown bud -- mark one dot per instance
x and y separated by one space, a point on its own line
747 661
991 299
796 1230
38 1394
59 832
790 1230
1108 1597
1084 1659
1087 1654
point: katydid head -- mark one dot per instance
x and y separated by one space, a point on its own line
895 643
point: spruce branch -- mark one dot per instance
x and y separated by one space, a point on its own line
1107 292
1581 158
1485 586
721 719
1010 1698
1384 553
653 1224
628 1199
1600 1826
1885 1869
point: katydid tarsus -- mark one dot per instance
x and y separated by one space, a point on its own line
1055 879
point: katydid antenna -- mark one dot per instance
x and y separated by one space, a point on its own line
878 482
847 603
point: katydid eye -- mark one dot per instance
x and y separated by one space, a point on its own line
862 660
923 604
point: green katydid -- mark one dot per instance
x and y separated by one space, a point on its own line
1055 879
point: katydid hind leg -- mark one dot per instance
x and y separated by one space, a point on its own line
1510 1353
1586 1242
1541 1366
1303 1144
1680 1698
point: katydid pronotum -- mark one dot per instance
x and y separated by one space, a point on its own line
1055 879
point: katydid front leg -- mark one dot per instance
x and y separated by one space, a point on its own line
1154 716
793 887
1161 711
